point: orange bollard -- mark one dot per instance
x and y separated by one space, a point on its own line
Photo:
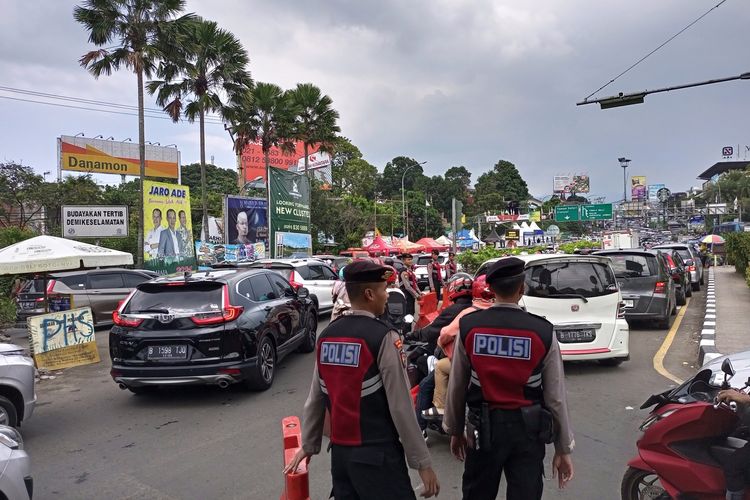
296 484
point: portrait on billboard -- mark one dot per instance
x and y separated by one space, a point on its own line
168 243
246 221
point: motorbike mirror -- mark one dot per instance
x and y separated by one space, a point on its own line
727 368
410 319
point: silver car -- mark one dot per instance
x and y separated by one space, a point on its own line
15 466
17 395
692 262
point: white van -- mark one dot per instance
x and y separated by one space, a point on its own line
579 295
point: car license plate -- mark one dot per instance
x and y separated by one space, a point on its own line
167 352
572 336
28 304
629 303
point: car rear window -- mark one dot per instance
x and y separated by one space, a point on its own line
191 297
633 265
561 279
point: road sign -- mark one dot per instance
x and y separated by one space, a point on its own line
567 213
601 211
663 195
512 234
553 230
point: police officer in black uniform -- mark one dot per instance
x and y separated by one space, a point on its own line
508 369
360 379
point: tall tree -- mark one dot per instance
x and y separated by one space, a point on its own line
128 33
260 114
20 190
504 181
401 167
316 119
352 175
207 62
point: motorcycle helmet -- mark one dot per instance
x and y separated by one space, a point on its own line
459 285
480 289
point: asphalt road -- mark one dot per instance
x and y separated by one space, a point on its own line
89 439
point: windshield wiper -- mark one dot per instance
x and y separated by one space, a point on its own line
570 296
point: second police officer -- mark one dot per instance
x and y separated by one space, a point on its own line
360 378
508 369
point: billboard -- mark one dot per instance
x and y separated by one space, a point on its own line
168 240
208 254
289 213
638 187
319 168
653 191
94 221
571 183
97 156
252 161
246 221
63 339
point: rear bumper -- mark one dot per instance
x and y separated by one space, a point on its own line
619 347
214 374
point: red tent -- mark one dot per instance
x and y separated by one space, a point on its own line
429 244
381 247
406 246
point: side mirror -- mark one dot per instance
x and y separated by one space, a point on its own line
408 319
303 293
727 368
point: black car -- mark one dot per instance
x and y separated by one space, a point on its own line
218 327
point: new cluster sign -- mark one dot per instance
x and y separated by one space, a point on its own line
289 213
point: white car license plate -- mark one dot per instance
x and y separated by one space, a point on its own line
629 303
167 352
574 336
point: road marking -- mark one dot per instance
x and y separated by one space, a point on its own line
662 352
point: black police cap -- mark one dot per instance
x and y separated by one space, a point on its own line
365 271
509 267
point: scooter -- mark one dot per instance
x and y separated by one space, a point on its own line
420 361
686 438
395 309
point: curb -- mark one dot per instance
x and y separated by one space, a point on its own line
707 346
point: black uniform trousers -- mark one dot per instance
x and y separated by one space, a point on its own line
438 288
372 472
521 458
410 301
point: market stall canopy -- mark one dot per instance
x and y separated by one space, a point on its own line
404 245
493 237
443 240
713 239
429 244
49 253
379 245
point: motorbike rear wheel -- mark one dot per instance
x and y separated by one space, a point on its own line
639 484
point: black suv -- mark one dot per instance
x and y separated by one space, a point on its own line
214 328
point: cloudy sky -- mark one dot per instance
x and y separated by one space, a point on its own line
450 82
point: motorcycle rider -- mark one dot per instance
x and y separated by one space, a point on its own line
737 467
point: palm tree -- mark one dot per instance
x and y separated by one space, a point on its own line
127 32
315 118
261 114
206 63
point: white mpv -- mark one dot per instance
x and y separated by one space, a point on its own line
579 295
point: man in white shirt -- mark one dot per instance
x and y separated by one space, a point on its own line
151 243
169 245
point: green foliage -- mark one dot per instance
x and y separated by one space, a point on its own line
471 261
9 236
738 251
314 117
390 181
572 246
7 312
20 190
499 187
219 181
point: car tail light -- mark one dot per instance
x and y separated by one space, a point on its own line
228 313
660 287
126 322
621 310
51 286
293 281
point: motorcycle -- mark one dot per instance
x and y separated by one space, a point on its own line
420 361
395 309
686 439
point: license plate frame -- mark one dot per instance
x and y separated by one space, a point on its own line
166 352
27 305
576 336
629 303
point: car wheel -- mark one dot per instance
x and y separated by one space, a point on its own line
311 333
316 305
611 361
262 376
696 287
144 389
688 290
663 323
8 413
681 298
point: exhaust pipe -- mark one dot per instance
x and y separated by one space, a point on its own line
223 383
122 386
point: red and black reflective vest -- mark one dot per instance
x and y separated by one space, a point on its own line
437 272
506 348
412 280
450 268
347 359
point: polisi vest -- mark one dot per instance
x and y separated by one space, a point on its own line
347 358
506 348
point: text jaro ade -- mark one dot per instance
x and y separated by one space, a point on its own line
162 191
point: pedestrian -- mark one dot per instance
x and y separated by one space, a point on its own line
451 267
360 378
408 281
508 369
340 298
435 274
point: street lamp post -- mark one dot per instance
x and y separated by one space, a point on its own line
624 164
403 198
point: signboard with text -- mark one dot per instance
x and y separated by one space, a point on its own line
94 221
289 213
567 213
63 339
168 240
601 211
99 156
252 161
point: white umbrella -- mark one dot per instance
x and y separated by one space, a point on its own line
49 253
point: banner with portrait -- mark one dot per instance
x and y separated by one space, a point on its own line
246 221
168 236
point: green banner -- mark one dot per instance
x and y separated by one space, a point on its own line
289 213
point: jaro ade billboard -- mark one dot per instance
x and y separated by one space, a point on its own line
97 156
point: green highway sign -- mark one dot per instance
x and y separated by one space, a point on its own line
602 211
567 213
